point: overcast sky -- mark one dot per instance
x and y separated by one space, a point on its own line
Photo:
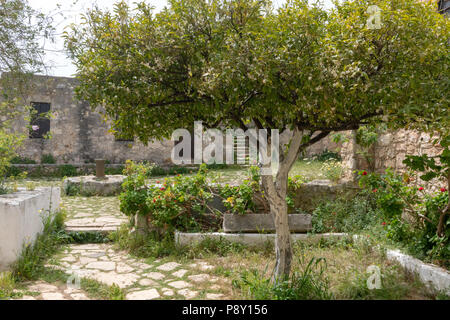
65 12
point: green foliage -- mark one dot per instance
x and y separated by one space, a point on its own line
180 202
326 155
31 261
240 199
366 137
87 237
48 159
21 21
333 170
144 245
308 283
355 215
390 191
294 184
67 170
325 70
114 171
22 160
102 291
394 197
432 167
7 285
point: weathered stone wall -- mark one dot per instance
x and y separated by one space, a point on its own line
392 147
79 134
389 151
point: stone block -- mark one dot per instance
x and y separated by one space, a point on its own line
264 222
90 185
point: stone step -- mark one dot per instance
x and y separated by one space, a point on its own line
91 229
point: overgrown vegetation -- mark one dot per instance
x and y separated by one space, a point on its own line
153 245
411 215
177 203
31 262
48 159
354 215
309 282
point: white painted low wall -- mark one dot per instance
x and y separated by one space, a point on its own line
253 239
432 276
21 220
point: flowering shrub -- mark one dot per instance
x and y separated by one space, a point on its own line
240 199
411 215
332 170
179 203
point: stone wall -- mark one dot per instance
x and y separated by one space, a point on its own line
78 132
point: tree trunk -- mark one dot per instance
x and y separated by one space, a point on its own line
275 192
283 246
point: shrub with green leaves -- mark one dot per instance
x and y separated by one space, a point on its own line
48 159
180 202
411 214
240 199
343 215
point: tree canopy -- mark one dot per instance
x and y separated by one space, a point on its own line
236 62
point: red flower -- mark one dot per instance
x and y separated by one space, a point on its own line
375 190
421 188
443 189
157 181
154 200
364 173
162 189
383 223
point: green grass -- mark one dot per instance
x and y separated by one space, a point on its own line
326 270
31 262
308 169
102 291
155 246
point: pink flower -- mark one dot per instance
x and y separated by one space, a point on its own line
162 189
35 128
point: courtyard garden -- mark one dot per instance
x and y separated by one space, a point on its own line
368 220
90 243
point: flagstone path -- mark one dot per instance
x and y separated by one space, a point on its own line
139 279
99 214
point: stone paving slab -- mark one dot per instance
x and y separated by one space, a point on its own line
139 279
93 214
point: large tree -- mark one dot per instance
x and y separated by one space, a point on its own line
235 62
21 55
